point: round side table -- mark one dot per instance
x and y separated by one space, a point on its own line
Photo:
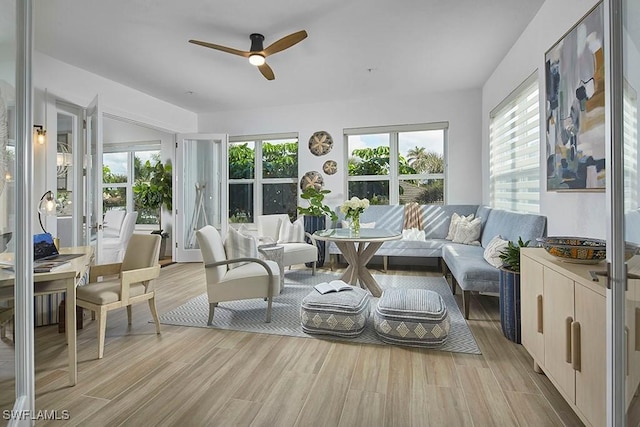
274 253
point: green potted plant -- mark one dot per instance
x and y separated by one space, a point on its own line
315 217
510 289
153 193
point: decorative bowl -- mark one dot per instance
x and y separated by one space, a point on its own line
580 250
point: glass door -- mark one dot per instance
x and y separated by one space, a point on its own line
624 296
93 188
200 183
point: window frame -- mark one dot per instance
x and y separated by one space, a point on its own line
258 180
394 178
131 149
516 98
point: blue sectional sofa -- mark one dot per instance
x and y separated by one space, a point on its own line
465 263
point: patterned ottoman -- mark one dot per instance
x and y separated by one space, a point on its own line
414 317
343 314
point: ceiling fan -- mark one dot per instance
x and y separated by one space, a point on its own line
257 54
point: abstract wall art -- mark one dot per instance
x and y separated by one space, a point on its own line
575 112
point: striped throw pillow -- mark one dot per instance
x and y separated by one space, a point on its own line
292 232
237 245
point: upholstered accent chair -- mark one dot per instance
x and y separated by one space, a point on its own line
254 279
124 284
113 248
112 223
299 252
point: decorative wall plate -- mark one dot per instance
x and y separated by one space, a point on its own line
320 143
312 179
330 167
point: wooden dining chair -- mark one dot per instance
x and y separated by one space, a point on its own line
124 284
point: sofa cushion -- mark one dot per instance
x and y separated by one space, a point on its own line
493 250
291 232
389 217
511 225
469 268
468 232
436 218
237 245
456 219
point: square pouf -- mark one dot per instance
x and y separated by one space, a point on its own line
342 314
413 317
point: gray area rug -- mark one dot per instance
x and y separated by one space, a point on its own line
249 315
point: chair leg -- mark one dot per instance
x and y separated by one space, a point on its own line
269 301
102 329
212 306
129 315
466 300
332 262
154 313
313 271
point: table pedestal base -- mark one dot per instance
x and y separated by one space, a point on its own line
358 257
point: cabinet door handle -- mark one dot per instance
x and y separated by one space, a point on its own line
637 329
568 330
575 346
540 314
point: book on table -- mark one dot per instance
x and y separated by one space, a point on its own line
332 286
49 266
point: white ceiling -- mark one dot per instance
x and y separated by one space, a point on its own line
355 49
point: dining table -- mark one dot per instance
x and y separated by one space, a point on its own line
358 249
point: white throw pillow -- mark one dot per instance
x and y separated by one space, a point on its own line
453 226
346 224
237 245
412 234
493 249
468 232
292 232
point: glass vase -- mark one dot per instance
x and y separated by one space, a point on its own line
355 225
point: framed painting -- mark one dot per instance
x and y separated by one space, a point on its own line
575 111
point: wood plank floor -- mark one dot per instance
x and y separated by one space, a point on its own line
195 376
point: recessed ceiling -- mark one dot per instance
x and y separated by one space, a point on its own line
355 49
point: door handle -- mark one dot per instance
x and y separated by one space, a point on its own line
568 334
575 346
540 327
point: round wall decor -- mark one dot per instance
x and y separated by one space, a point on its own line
330 167
320 143
311 179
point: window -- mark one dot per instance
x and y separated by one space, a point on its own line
514 150
630 138
263 176
397 164
121 170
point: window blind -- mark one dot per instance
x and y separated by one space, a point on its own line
514 150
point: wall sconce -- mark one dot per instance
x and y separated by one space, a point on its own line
40 133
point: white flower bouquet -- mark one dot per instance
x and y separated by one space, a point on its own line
352 210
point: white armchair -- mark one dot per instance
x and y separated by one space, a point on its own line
256 279
294 253
112 223
113 248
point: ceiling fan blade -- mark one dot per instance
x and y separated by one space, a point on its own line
266 71
285 42
222 48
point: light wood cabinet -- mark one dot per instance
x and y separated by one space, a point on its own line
570 347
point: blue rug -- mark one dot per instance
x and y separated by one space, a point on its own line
249 315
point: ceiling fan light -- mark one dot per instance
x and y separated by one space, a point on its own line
256 59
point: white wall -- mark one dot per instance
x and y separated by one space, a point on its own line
77 86
460 108
570 214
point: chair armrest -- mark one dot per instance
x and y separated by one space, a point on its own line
136 276
256 260
100 270
266 239
310 236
